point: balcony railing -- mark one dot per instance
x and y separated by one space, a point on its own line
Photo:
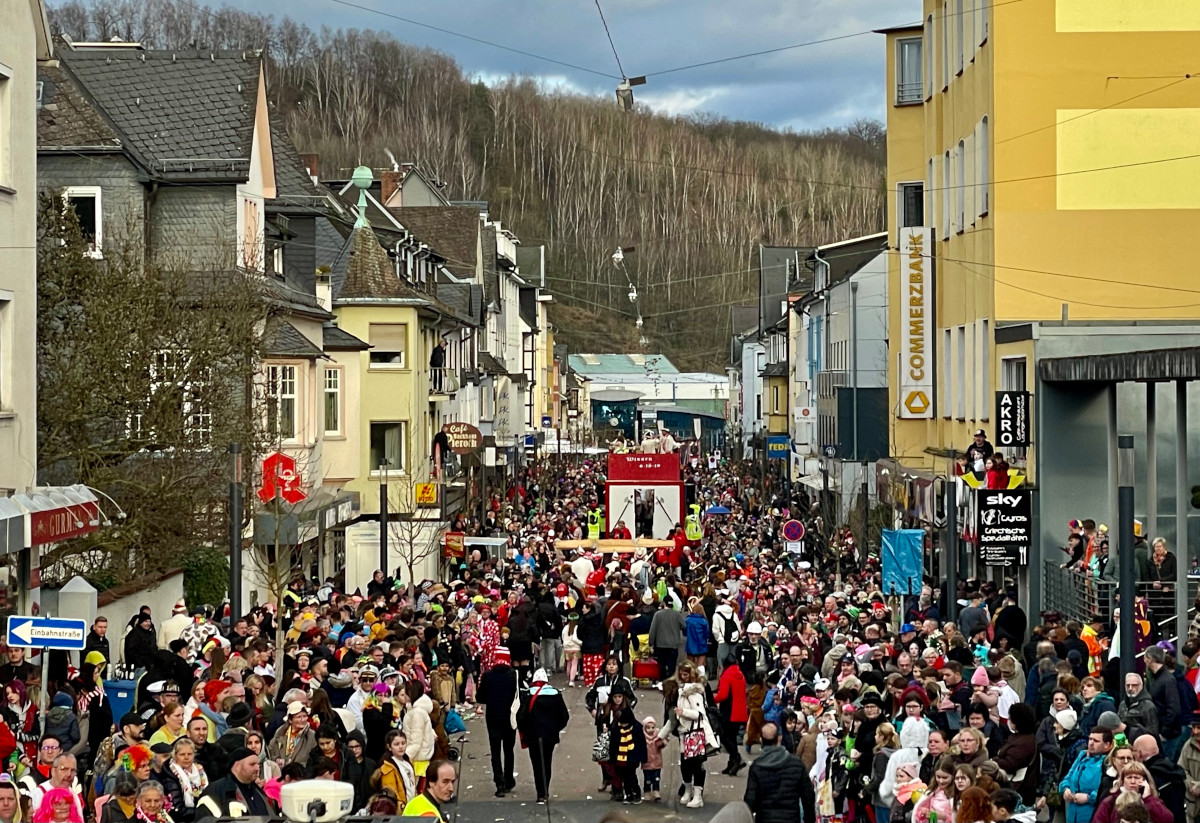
1078 596
828 382
443 380
912 92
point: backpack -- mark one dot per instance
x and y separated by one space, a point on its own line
731 630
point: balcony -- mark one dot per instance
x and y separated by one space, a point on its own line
828 382
443 382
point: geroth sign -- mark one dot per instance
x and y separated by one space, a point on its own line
464 438
1004 526
916 323
1012 416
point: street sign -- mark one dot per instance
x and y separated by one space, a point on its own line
830 451
426 494
793 531
46 632
1004 526
794 547
547 422
1012 416
279 476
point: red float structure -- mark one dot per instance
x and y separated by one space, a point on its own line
647 484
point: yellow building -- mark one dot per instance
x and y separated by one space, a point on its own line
1044 177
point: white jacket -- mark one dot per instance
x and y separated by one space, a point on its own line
419 729
571 641
723 614
691 700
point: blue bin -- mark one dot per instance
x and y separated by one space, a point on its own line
121 694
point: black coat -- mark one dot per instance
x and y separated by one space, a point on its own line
778 786
96 643
140 647
542 715
497 691
591 633
221 793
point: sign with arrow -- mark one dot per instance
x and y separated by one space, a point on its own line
46 632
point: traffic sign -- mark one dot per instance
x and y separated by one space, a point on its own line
793 531
547 422
830 451
46 632
279 476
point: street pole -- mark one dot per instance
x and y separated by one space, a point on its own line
951 549
1183 556
1125 473
45 678
866 511
383 516
235 535
854 371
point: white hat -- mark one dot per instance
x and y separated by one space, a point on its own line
1067 718
754 628
540 676
295 707
180 607
156 687
648 597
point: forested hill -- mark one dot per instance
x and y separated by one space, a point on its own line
695 196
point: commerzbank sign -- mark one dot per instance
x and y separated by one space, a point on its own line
916 323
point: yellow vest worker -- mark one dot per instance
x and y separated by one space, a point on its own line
423 806
594 524
692 528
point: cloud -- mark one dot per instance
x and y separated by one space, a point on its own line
818 86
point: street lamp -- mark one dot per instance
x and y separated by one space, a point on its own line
1125 475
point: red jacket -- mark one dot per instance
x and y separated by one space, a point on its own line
731 695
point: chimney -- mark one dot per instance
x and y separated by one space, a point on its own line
390 183
312 164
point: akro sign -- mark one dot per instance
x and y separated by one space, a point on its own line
916 323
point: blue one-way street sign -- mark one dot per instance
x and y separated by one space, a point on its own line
47 632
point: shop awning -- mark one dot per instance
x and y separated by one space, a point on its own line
817 482
55 513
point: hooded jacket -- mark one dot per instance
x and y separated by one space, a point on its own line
1083 778
778 786
731 696
693 701
725 627
697 632
418 728
543 714
1099 704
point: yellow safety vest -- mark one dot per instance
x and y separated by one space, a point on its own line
594 524
422 806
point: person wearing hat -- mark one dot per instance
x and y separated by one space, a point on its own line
174 625
496 698
295 741
541 718
140 642
978 452
237 794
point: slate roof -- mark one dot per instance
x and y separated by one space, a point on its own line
775 370
490 364
452 231
287 341
337 339
847 258
620 364
67 117
188 115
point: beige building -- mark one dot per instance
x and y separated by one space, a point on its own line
26 41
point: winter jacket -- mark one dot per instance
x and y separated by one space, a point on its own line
725 628
778 788
1189 761
543 714
694 703
772 710
1166 700
1084 777
731 696
591 632
933 801
62 724
1019 752
1140 711
1106 812
697 631
399 777
879 764
1100 704
277 750
1169 779
668 630
418 728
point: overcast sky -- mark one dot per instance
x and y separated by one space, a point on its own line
814 87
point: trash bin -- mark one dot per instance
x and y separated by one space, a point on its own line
121 694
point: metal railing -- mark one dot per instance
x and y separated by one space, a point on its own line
913 92
442 380
829 381
1078 596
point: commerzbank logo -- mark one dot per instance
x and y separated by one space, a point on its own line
917 403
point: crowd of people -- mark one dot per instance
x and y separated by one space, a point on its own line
717 644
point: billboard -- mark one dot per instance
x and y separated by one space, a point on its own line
916 301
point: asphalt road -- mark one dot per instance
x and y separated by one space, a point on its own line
573 791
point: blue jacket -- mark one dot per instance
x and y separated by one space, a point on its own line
773 713
697 634
1100 704
1085 775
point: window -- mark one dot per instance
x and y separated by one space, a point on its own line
981 148
983 20
6 125
775 400
945 45
86 202
1012 374
969 193
947 359
946 191
387 443
277 259
970 370
333 401
959 187
985 369
388 344
930 50
960 373
929 186
912 204
909 87
282 407
960 43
